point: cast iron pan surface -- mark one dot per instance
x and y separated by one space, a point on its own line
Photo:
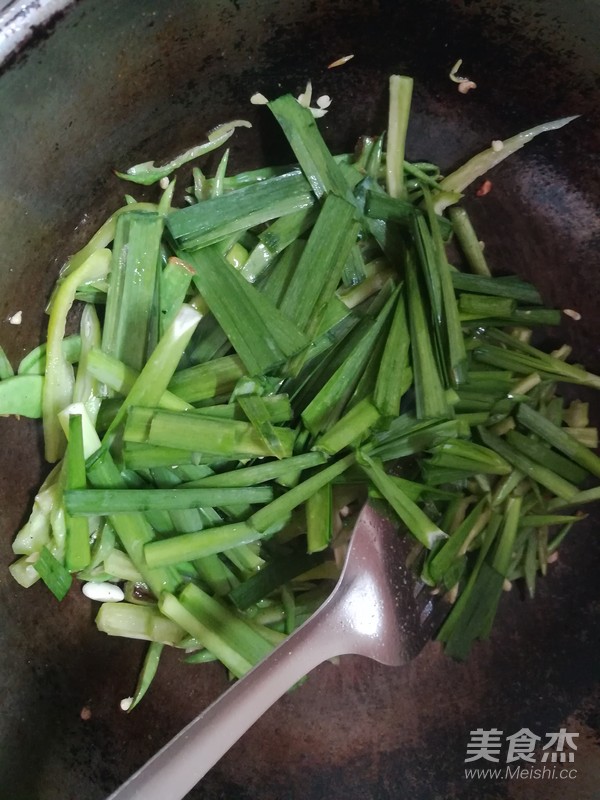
109 83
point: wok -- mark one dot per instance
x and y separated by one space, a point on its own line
94 84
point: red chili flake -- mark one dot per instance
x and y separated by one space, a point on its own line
485 188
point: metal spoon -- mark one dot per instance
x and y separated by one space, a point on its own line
374 611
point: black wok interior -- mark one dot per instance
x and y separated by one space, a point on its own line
108 83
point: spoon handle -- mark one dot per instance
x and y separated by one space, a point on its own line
182 762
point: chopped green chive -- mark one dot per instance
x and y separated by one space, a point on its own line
56 577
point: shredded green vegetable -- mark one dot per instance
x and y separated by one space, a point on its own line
251 366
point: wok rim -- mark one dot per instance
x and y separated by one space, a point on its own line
20 22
